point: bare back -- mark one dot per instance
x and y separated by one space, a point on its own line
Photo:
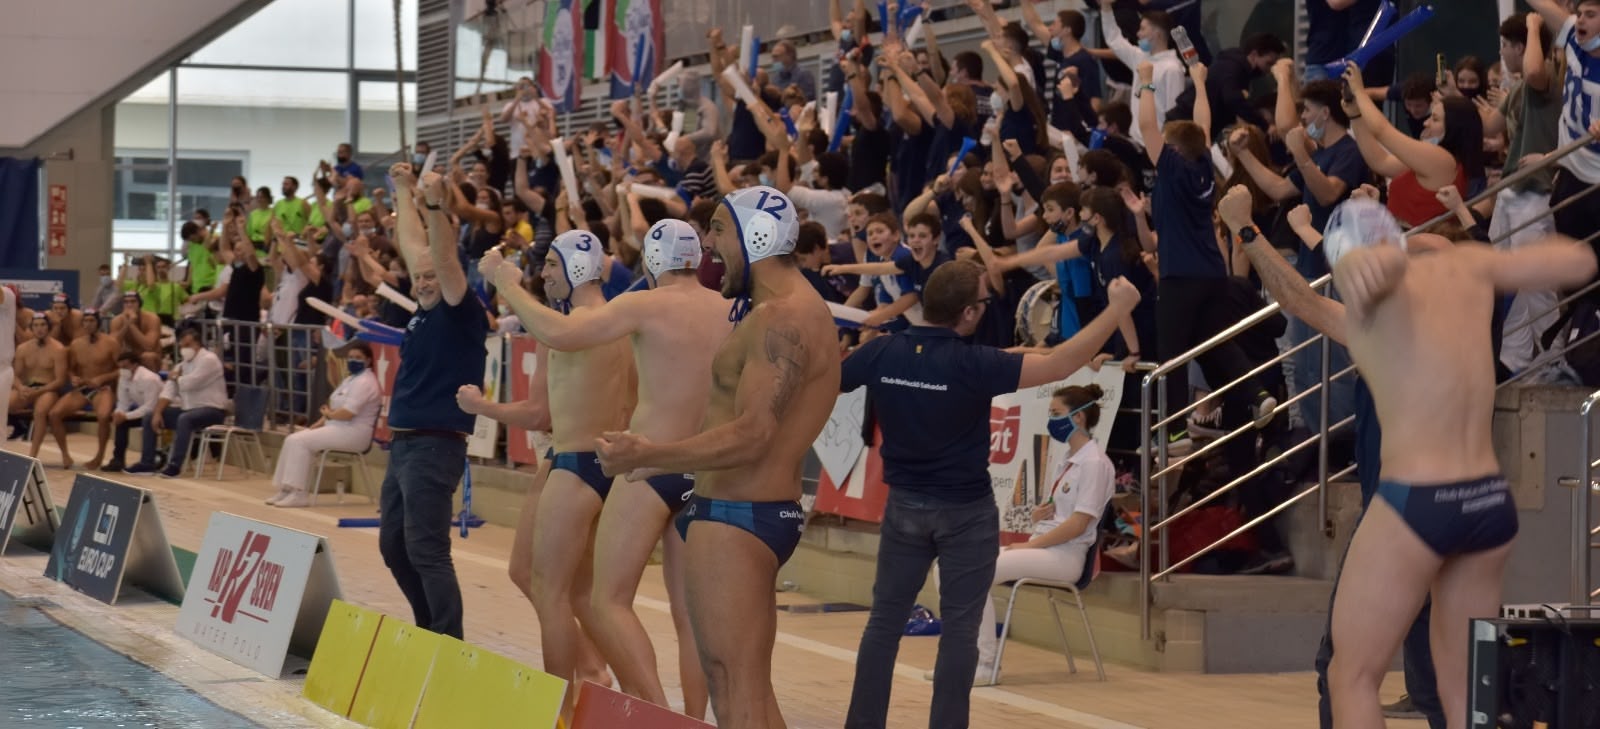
1427 358
37 363
591 392
90 359
795 334
673 350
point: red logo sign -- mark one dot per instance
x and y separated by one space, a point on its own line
1005 431
241 572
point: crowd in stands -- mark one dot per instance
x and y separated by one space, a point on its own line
1084 164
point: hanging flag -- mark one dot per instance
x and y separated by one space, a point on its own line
594 38
636 38
561 55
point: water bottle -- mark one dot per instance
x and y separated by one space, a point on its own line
1180 38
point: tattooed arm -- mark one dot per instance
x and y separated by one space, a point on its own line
777 362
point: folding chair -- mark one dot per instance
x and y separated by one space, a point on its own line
350 459
249 416
1053 592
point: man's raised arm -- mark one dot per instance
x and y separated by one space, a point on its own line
1071 355
442 241
579 330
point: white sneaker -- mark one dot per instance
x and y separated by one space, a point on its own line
273 500
294 500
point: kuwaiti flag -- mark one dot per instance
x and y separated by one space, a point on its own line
561 55
635 44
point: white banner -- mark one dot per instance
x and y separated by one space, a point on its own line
486 431
257 588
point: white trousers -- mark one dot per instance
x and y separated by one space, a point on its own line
1057 564
1518 344
302 447
7 375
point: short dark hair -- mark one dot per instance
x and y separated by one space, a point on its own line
1013 32
871 202
1072 20
970 63
926 220
885 219
1264 44
811 238
1515 30
202 212
1330 93
835 167
293 179
700 214
359 345
654 210
1420 86
1161 20
189 230
1108 171
1063 194
817 140
1118 114
1188 138
952 288
128 355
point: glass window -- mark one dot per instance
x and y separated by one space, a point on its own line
375 34
379 131
311 33
280 123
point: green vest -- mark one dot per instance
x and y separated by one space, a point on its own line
203 268
291 212
257 225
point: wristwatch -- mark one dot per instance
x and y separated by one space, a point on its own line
1248 234
1147 87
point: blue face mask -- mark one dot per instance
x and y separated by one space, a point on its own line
766 180
847 37
1436 140
1055 44
1144 45
1590 45
1315 131
1061 426
777 67
356 367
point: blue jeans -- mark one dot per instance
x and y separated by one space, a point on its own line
1416 652
916 529
414 525
183 423
293 384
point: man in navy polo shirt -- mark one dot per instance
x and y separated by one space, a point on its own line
442 351
1289 288
931 390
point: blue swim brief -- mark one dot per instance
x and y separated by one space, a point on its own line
1457 518
673 488
587 465
776 523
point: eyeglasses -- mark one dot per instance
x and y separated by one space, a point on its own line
985 301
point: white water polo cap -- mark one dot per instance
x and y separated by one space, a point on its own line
1359 223
581 257
671 245
765 220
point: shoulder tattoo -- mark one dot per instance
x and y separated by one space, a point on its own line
786 351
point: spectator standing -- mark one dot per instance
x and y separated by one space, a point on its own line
1166 79
787 71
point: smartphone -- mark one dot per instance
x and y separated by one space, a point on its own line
1440 75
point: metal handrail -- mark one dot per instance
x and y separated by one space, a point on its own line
1156 380
1581 531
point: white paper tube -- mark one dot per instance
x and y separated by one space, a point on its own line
914 34
569 178
1220 161
674 132
747 38
740 88
828 112
666 77
399 299
1069 147
847 313
427 163
655 191
333 311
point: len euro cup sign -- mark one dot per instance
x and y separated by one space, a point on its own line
111 536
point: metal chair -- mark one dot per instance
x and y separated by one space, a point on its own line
1053 590
350 459
249 416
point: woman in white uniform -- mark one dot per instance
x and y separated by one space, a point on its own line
346 424
1066 525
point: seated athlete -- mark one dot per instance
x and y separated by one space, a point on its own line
41 367
591 392
1443 519
92 371
773 386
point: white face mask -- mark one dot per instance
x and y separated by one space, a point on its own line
188 353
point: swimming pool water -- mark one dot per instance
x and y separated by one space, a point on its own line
53 677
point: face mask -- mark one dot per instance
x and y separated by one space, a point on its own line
847 37
105 280
505 310
1471 93
1315 131
356 366
348 230
1061 427
417 160
369 232
1592 44
1144 45
1055 44
1060 228
777 67
1433 140
238 264
766 180
187 353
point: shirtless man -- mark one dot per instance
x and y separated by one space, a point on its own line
591 392
23 322
138 331
66 323
41 376
8 348
1443 518
773 386
92 369
675 328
